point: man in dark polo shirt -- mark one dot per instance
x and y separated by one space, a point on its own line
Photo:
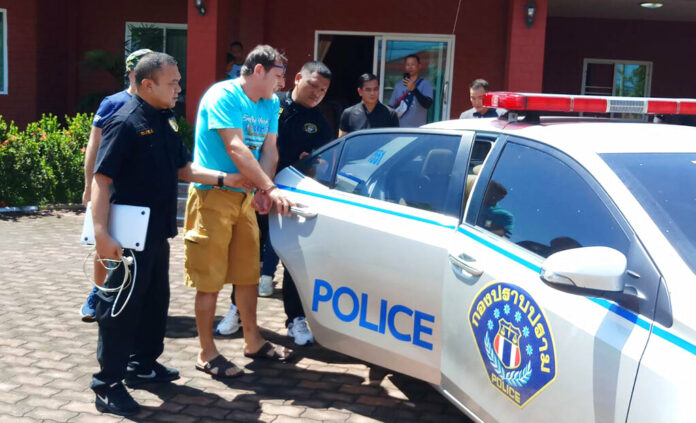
369 113
139 161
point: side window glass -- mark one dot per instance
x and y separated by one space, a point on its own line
482 146
320 166
543 205
407 169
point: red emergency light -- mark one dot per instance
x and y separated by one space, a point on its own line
588 104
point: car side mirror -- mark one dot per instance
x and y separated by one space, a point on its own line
588 268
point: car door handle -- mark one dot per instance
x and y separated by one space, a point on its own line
462 261
303 211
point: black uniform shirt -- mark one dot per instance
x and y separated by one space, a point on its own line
299 130
141 151
356 117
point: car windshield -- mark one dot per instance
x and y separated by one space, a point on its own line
665 185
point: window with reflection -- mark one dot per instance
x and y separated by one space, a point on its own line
413 170
320 166
540 203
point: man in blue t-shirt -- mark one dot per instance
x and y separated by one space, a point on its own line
236 132
412 98
106 109
235 60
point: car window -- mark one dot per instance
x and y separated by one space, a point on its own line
543 205
665 185
320 166
482 146
408 169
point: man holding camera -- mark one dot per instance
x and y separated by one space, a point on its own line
413 97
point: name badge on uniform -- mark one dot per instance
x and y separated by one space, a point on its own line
147 131
173 124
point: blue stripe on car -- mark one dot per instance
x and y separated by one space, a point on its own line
351 177
612 307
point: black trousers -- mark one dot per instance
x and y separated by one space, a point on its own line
137 334
291 299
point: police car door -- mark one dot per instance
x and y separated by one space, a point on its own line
367 247
514 348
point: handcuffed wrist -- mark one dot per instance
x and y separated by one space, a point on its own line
267 190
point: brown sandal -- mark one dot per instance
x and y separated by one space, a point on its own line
217 368
271 352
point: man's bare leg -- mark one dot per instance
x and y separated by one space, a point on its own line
247 297
205 314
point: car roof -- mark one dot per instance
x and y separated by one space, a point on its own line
588 135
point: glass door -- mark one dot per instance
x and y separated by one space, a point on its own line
435 55
349 54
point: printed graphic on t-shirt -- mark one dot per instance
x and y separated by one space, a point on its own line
255 130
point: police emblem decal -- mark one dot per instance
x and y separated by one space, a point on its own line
310 128
173 124
514 340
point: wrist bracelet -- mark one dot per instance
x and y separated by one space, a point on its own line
221 179
267 190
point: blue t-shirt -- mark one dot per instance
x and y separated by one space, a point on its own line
495 218
225 105
235 72
109 106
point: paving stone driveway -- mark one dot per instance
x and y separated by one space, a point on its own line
47 355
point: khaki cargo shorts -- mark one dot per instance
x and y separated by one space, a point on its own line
221 239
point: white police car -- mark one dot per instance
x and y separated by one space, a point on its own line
554 282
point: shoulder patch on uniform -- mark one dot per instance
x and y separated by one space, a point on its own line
514 340
173 124
310 128
147 131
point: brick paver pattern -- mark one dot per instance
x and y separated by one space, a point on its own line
48 355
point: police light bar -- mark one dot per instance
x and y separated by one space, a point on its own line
588 103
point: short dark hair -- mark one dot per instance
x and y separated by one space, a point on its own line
479 83
366 77
415 56
236 43
263 55
150 64
316 67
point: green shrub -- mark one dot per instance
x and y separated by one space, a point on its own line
43 164
186 132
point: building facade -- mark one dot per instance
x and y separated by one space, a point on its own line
48 62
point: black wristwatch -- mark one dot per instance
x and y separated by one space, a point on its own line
221 179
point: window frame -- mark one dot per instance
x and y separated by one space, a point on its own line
459 168
337 143
4 55
656 306
163 26
587 61
474 208
459 171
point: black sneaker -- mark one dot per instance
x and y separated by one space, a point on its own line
115 400
136 375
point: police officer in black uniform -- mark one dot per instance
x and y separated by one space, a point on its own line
301 129
140 159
